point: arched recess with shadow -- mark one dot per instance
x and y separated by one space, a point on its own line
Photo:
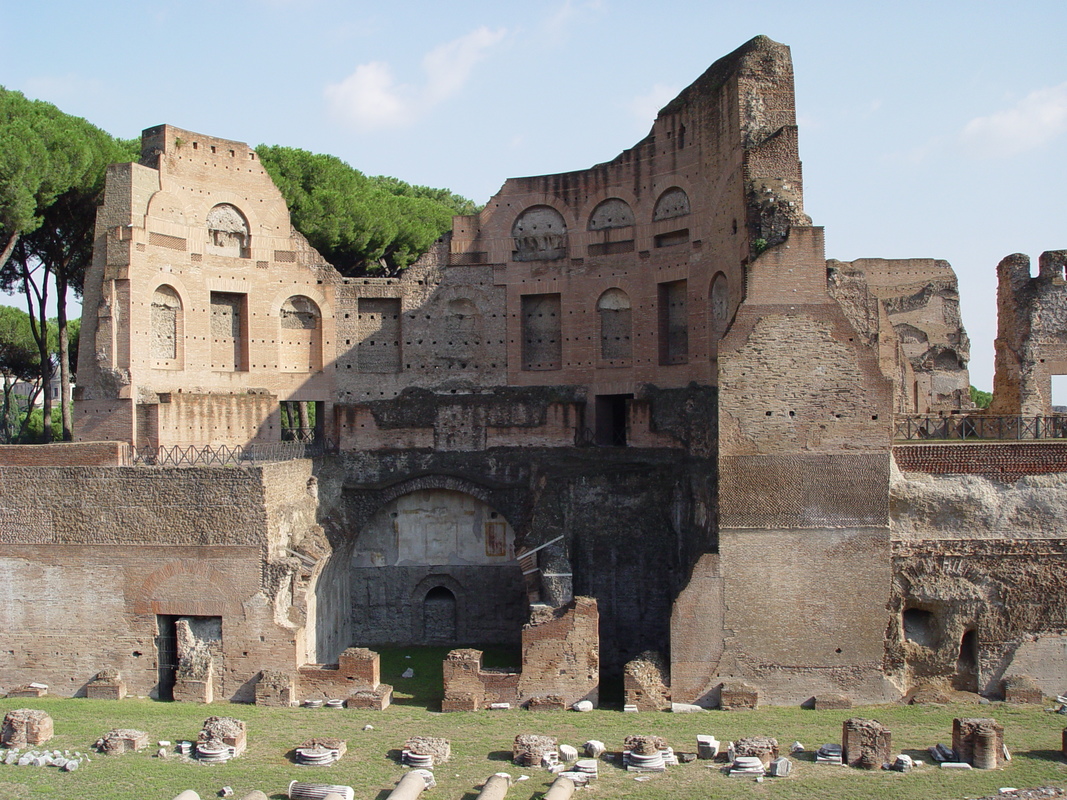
432 565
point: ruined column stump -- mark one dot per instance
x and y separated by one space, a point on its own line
122 740
978 742
529 749
865 743
762 747
25 726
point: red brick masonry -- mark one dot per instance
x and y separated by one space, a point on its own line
998 460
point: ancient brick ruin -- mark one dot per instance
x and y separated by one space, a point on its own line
641 383
560 664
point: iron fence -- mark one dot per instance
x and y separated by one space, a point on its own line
223 455
962 427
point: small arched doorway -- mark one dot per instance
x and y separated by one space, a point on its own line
439 616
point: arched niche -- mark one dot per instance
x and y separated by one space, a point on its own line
616 325
671 204
611 213
300 339
228 232
379 587
539 234
168 328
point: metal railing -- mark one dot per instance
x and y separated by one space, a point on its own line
224 455
964 427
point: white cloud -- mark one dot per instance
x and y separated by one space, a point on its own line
371 98
558 25
449 66
1038 118
646 106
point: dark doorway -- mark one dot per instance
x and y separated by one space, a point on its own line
967 663
166 655
439 616
611 419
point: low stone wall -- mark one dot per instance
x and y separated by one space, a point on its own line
64 454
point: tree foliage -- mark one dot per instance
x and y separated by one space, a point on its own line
52 169
361 225
20 362
980 398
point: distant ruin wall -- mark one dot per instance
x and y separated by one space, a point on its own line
1031 344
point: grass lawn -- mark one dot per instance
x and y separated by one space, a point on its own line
481 745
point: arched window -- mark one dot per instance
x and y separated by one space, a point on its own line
228 233
540 234
672 203
167 327
301 336
612 213
616 326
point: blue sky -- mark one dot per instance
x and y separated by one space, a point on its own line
934 129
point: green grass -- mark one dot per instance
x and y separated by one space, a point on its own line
481 745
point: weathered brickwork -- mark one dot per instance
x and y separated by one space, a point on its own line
560 664
1007 461
154 545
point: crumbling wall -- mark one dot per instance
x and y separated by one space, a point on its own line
355 676
561 653
1031 344
468 686
560 664
927 346
978 570
646 682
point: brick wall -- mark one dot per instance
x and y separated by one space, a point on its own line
65 454
89 556
1004 460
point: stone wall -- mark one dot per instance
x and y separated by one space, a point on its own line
87 585
804 463
66 454
978 570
